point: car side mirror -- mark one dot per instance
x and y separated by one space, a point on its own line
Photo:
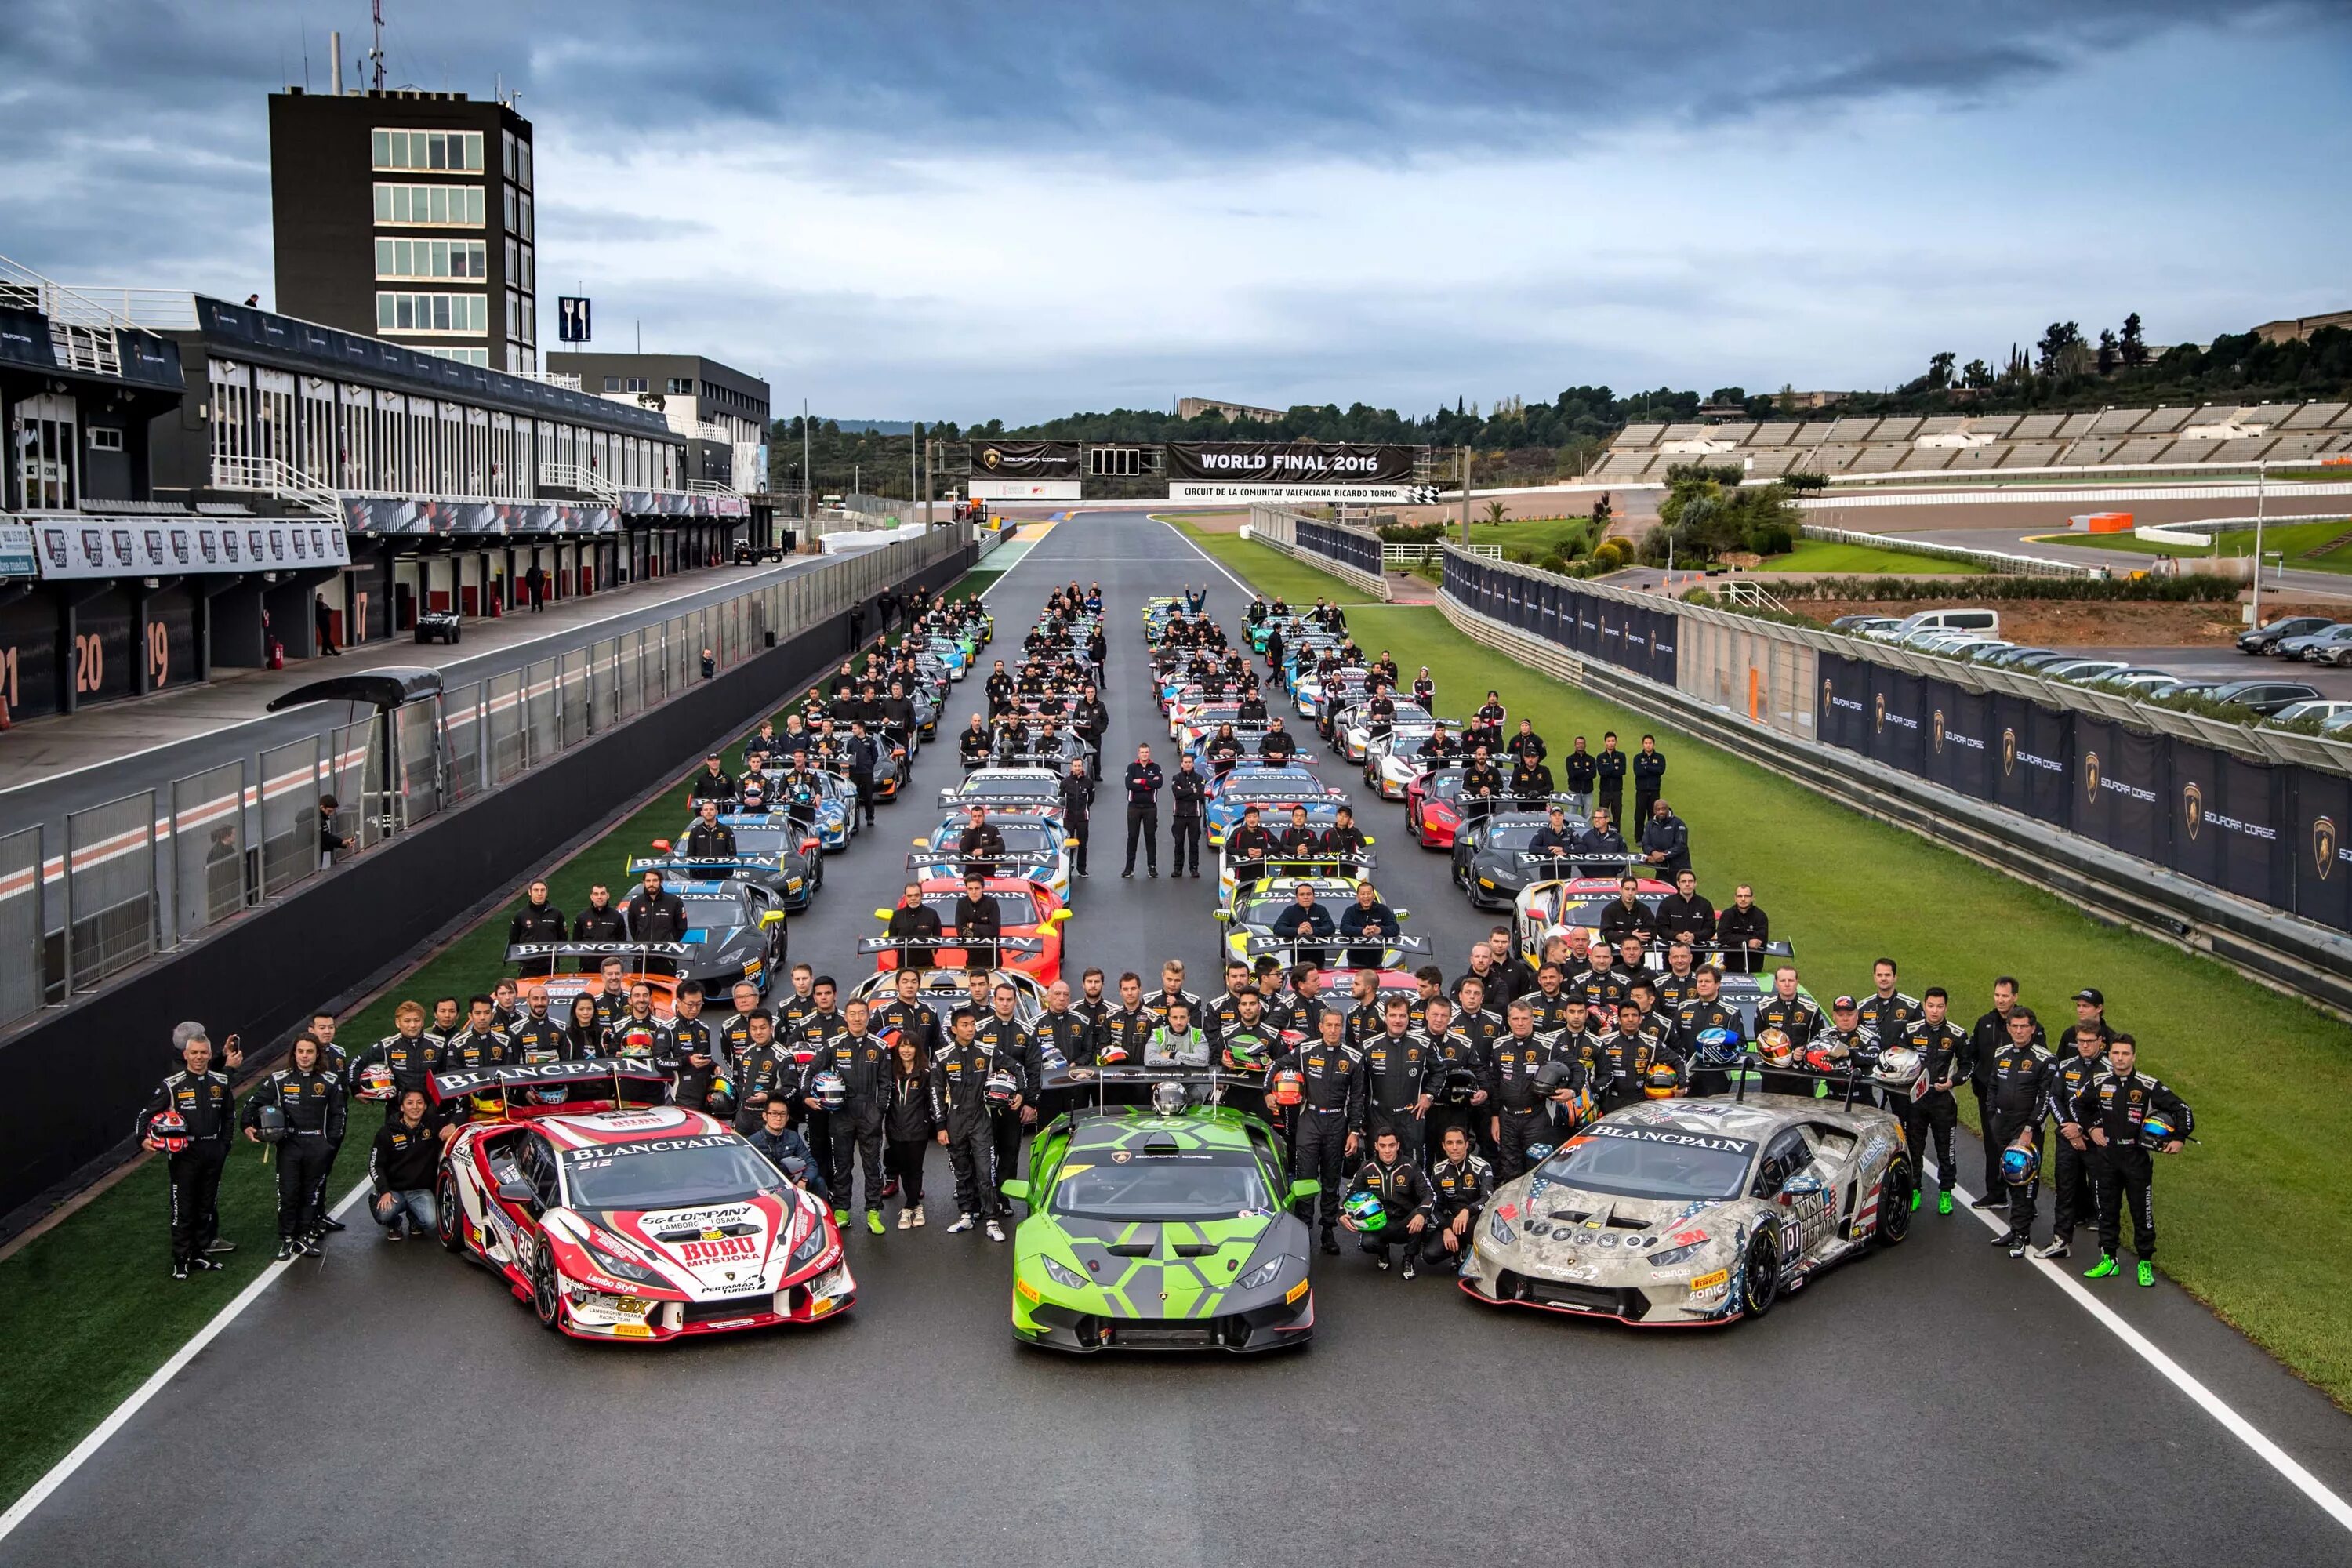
1016 1188
881 914
662 845
1803 1185
515 1190
1305 1187
1401 912
922 844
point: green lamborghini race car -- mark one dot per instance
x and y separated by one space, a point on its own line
1165 1227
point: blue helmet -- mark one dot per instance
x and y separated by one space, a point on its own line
1720 1048
2019 1166
1367 1211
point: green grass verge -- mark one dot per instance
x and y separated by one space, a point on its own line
1822 555
1272 571
2296 541
2250 1225
96 1311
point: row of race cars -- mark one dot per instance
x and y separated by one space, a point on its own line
1165 1207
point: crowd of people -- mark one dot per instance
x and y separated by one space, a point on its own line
1410 1105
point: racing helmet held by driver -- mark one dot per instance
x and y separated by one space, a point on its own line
637 1040
1898 1067
1461 1083
1000 1088
1112 1054
720 1097
1287 1087
829 1090
1774 1048
1244 1053
169 1129
1720 1048
1366 1210
1661 1080
1825 1055
2020 1164
270 1123
1551 1078
2157 1130
376 1082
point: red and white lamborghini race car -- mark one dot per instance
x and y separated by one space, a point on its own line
617 1220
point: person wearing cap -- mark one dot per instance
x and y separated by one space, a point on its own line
713 783
2073 1197
1848 1037
2091 1007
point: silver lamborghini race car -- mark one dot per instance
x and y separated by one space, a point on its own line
1695 1211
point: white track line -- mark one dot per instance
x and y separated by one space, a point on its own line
2237 1426
62 1471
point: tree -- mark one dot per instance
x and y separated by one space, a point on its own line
1939 370
2109 357
2133 346
1498 513
2061 351
1977 373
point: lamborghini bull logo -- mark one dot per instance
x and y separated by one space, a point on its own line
1938 731
2090 776
2008 752
2193 807
2323 845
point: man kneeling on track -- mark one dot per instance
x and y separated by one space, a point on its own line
401 1164
1459 1186
1389 1203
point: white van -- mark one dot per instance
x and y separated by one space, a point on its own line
1983 622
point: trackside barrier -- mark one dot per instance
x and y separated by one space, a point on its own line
1350 555
111 888
240 835
212 878
21 926
2226 839
1990 560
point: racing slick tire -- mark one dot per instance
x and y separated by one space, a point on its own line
1894 1201
546 1296
1760 1278
449 1220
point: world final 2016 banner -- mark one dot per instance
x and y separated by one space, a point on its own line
1289 470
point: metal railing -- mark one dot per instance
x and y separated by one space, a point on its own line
1991 560
143 874
277 476
1430 554
576 477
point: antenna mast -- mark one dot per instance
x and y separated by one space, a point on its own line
375 52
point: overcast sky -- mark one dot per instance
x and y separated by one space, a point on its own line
1023 209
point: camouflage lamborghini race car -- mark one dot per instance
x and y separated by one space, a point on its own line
1695 1211
1153 1227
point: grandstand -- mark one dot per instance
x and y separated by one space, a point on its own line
1905 443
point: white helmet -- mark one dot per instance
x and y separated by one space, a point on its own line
1899 1067
1169 1098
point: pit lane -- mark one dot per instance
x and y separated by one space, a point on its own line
1935 1401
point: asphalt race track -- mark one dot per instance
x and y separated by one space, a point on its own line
1936 1403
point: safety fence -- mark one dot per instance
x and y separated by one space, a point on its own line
2004 561
1350 555
127 879
2261 813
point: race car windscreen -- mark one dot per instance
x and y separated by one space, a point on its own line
1636 1162
1446 785
1197 1184
1017 784
1513 835
1023 840
1279 785
668 1173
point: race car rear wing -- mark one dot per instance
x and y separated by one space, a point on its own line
955 797
938 943
550 1088
1293 864
987 864
591 954
1335 950
702 865
1585 865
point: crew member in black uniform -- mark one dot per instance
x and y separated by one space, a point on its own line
1187 792
309 1121
1459 1186
197 1111
2111 1114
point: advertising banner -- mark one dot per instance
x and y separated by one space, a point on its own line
1897 727
1958 755
2225 824
81 548
1024 460
1842 718
2322 846
2030 766
1023 490
16 558
2120 788
1287 462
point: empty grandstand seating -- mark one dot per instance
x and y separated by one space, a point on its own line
2009 443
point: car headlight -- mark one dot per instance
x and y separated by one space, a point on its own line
1501 1229
620 1267
810 1247
1264 1274
1673 1255
1065 1276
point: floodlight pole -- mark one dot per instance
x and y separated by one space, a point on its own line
927 445
2262 497
1465 496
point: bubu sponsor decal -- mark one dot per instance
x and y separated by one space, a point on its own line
715 1248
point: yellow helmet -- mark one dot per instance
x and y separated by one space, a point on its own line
1661 1080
